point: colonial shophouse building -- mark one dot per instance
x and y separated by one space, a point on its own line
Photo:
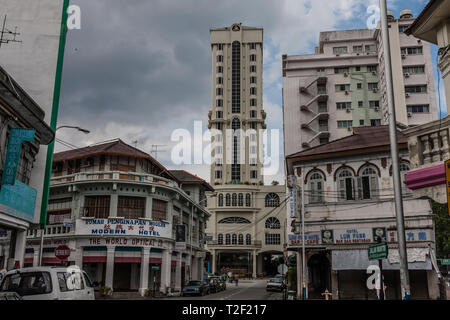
116 208
349 200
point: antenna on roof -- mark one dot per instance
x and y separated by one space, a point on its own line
135 142
12 35
155 149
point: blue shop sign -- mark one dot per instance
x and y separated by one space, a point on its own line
18 200
16 137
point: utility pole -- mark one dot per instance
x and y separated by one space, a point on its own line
303 238
404 275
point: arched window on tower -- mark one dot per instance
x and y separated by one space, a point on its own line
272 200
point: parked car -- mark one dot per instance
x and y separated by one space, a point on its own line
49 283
196 287
214 285
10 296
275 284
221 282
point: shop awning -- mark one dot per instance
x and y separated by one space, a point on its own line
418 259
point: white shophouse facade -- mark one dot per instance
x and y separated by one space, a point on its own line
348 202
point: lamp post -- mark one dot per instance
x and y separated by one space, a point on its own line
44 224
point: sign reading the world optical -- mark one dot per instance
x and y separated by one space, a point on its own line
123 227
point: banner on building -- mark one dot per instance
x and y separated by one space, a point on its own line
180 236
123 227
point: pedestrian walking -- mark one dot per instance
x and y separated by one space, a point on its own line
236 278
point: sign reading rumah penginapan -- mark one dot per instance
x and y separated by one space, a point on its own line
123 227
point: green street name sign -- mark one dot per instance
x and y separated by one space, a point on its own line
445 261
155 268
378 251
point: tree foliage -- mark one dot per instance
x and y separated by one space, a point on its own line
442 225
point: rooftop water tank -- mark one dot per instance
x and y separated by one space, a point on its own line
405 14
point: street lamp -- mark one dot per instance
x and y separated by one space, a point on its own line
85 131
71 127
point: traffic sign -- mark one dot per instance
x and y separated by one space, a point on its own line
445 261
447 183
378 251
282 269
62 252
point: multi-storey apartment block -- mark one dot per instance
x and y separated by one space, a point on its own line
342 85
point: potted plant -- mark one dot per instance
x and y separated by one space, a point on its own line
106 291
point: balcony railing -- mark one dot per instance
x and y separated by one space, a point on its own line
435 147
113 175
254 243
50 230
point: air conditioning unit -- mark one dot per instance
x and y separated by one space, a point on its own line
409 114
406 75
345 74
407 95
346 91
348 110
377 109
403 56
375 90
349 128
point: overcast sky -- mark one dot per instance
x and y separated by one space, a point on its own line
139 69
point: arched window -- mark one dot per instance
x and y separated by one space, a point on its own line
346 184
235 165
241 239
248 239
368 183
315 187
273 223
234 220
234 239
220 239
227 239
228 200
240 199
272 200
221 200
234 200
248 200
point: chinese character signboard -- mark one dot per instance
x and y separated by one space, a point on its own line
353 236
327 236
16 137
180 236
378 232
310 239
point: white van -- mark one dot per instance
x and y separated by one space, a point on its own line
49 283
